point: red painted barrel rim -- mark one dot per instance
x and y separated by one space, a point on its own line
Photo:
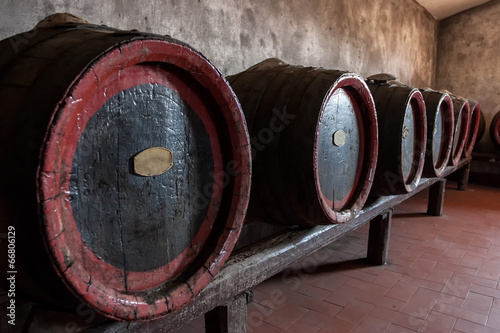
462 135
495 129
411 180
475 118
357 89
446 106
63 239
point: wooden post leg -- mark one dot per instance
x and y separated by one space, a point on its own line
378 238
229 318
463 178
436 198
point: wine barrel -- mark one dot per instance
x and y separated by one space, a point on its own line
127 158
402 127
495 130
462 119
314 142
439 112
482 126
474 121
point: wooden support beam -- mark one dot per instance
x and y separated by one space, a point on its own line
378 238
436 198
229 318
463 177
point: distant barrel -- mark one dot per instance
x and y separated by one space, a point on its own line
482 126
125 168
462 119
474 122
314 142
440 123
402 126
495 130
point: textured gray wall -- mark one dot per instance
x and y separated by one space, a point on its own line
364 36
469 59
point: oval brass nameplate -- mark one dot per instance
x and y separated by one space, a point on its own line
339 138
153 161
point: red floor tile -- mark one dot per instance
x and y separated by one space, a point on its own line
457 287
301 326
317 305
355 311
387 278
431 285
377 299
327 323
398 318
343 296
496 303
372 325
402 291
466 326
478 303
285 317
368 286
262 328
451 310
471 261
439 275
438 322
398 329
494 319
489 270
442 275
495 293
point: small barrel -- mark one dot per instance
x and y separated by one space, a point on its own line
462 119
439 112
314 142
474 122
495 130
130 151
402 126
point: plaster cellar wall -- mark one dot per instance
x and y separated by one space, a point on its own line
468 60
362 36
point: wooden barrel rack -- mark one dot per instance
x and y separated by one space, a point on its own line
224 301
130 151
495 130
402 126
462 119
440 122
314 142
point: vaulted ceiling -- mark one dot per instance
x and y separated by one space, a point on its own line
441 9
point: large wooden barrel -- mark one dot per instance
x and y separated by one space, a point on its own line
462 119
440 122
402 127
495 130
314 142
474 122
126 156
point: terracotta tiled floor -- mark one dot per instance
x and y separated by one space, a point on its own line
442 275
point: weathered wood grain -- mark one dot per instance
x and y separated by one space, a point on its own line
379 237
